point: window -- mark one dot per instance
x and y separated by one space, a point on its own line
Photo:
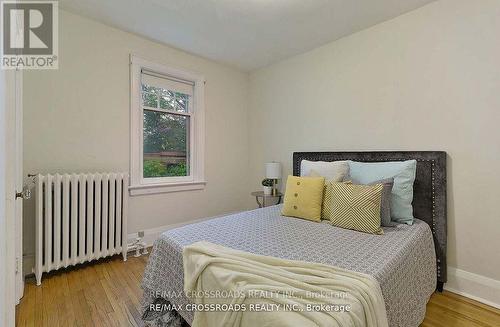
167 129
166 133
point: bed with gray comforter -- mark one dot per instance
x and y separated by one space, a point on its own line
402 260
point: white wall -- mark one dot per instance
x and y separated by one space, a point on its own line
76 119
427 80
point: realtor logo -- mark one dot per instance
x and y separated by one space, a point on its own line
29 35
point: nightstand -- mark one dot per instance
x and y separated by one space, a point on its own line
267 200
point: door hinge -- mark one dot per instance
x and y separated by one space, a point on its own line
17 265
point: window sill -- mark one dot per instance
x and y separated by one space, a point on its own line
165 188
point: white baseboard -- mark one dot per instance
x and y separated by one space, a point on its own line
28 264
476 287
150 235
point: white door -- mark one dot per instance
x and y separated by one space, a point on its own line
20 194
14 175
11 277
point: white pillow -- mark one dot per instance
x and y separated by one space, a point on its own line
332 171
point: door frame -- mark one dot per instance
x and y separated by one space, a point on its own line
10 118
18 184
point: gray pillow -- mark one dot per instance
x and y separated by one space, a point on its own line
385 204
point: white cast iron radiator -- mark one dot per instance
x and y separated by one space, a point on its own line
79 218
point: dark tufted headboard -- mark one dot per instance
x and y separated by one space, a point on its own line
429 189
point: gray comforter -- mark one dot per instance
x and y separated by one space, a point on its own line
402 260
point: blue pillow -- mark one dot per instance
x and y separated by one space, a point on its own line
403 173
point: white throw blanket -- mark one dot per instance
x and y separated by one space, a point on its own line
235 288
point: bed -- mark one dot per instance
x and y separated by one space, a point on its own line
409 262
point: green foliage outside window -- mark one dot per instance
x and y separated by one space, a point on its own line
157 168
179 169
164 132
154 168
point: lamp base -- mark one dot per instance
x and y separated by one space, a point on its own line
275 190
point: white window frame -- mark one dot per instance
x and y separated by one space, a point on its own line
196 179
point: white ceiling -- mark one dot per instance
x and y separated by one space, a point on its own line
248 34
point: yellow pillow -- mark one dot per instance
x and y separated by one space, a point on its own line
303 197
354 206
326 208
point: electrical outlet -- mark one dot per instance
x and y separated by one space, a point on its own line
140 234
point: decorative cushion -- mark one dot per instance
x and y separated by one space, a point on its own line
355 207
331 171
403 173
327 208
385 206
303 197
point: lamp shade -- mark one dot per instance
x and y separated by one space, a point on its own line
273 170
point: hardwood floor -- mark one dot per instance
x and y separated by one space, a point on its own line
108 293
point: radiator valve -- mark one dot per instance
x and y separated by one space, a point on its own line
138 245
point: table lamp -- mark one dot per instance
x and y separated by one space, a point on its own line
273 171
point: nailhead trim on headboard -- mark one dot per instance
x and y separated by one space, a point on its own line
437 160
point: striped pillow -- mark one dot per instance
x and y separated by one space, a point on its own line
327 207
354 207
385 206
